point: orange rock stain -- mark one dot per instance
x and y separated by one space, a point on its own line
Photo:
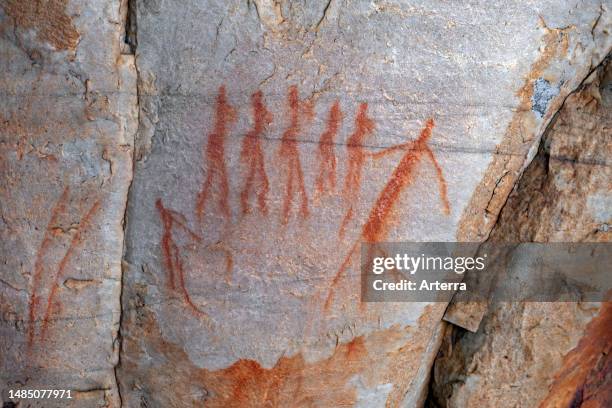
585 379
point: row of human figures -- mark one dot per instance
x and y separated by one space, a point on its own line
256 184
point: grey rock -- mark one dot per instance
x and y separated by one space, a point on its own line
67 120
267 139
269 298
543 93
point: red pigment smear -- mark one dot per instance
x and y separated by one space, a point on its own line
327 156
364 126
172 254
252 156
289 153
58 209
292 381
84 225
229 265
214 156
374 230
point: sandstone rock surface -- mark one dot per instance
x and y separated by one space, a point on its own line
276 136
67 122
181 226
545 354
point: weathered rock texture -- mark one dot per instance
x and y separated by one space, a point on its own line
67 122
277 135
545 354
272 137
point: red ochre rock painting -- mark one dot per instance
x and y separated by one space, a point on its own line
375 228
171 253
256 181
326 179
216 172
290 156
173 221
252 157
52 232
293 381
364 126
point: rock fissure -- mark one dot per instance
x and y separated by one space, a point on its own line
178 195
523 337
128 46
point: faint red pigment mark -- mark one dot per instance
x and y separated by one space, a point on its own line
364 126
375 228
214 156
58 209
84 225
172 254
252 156
229 261
289 153
327 157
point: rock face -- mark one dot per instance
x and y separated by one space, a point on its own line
546 354
67 123
276 136
267 140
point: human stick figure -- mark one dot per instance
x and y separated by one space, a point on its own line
289 154
326 178
364 126
252 156
375 228
225 114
